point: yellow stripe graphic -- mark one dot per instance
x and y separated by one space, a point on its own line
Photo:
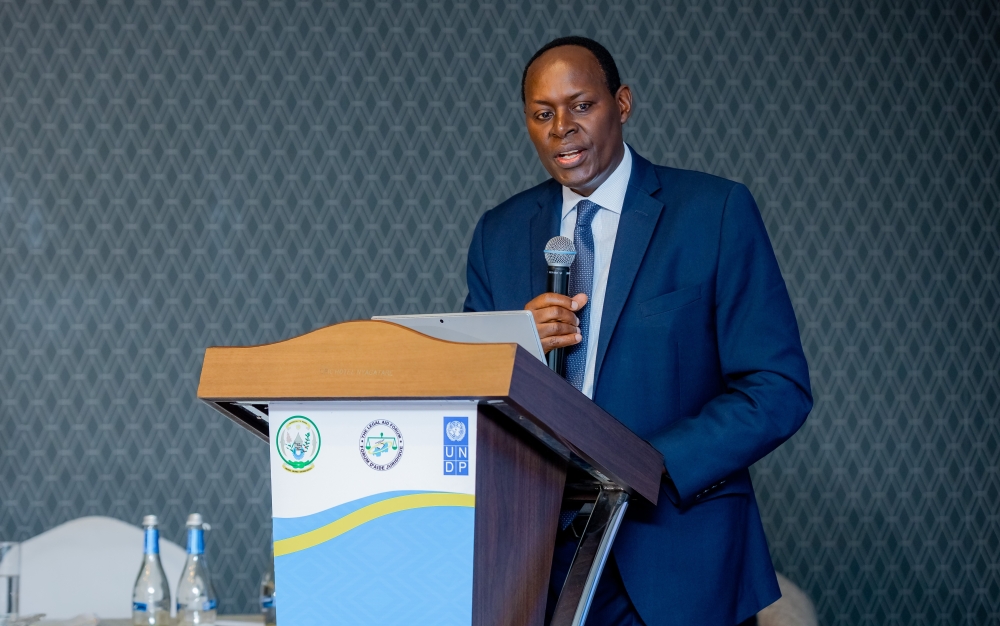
367 514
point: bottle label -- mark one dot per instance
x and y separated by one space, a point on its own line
196 541
207 605
267 602
152 541
139 606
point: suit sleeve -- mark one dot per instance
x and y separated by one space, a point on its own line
480 298
766 395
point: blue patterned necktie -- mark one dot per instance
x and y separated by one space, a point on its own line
581 280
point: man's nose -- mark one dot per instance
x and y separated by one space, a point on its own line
563 124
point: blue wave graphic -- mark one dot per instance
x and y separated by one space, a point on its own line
285 527
407 568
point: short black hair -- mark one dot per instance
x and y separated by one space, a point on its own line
604 58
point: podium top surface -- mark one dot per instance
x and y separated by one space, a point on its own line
368 360
363 359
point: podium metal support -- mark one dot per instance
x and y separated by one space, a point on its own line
591 555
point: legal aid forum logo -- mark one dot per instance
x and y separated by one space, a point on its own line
381 445
298 444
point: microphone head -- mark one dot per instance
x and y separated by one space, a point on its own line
560 252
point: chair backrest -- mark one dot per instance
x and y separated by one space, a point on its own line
88 565
793 608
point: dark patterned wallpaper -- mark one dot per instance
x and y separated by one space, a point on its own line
180 174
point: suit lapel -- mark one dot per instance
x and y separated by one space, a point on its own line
640 214
544 226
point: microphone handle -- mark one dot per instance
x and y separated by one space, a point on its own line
558 283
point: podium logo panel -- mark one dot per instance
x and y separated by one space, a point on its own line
298 444
381 445
456 446
385 540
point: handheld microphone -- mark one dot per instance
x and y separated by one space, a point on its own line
559 254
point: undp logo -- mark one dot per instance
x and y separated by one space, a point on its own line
456 431
456 446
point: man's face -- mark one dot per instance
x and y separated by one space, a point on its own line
572 118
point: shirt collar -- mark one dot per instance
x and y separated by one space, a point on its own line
610 195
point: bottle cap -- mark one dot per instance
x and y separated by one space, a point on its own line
194 519
150 520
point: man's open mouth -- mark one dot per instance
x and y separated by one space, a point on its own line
569 157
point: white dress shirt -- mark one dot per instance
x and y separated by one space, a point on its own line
611 197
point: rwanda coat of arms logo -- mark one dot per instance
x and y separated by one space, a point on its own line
381 445
298 443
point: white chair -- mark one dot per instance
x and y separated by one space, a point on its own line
88 565
793 608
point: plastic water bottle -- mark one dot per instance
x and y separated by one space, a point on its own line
10 577
151 595
196 599
267 607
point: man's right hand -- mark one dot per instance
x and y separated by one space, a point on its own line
556 320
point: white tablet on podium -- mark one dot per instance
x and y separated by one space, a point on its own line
492 327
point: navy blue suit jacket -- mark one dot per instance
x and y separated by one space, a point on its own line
699 354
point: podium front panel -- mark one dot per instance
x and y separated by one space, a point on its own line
374 511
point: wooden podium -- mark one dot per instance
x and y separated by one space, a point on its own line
529 439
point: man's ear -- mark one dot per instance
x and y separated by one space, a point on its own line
624 99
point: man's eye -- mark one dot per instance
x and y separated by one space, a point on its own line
545 115
583 106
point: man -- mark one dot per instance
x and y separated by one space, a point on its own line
680 326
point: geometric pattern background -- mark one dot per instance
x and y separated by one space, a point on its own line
179 175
